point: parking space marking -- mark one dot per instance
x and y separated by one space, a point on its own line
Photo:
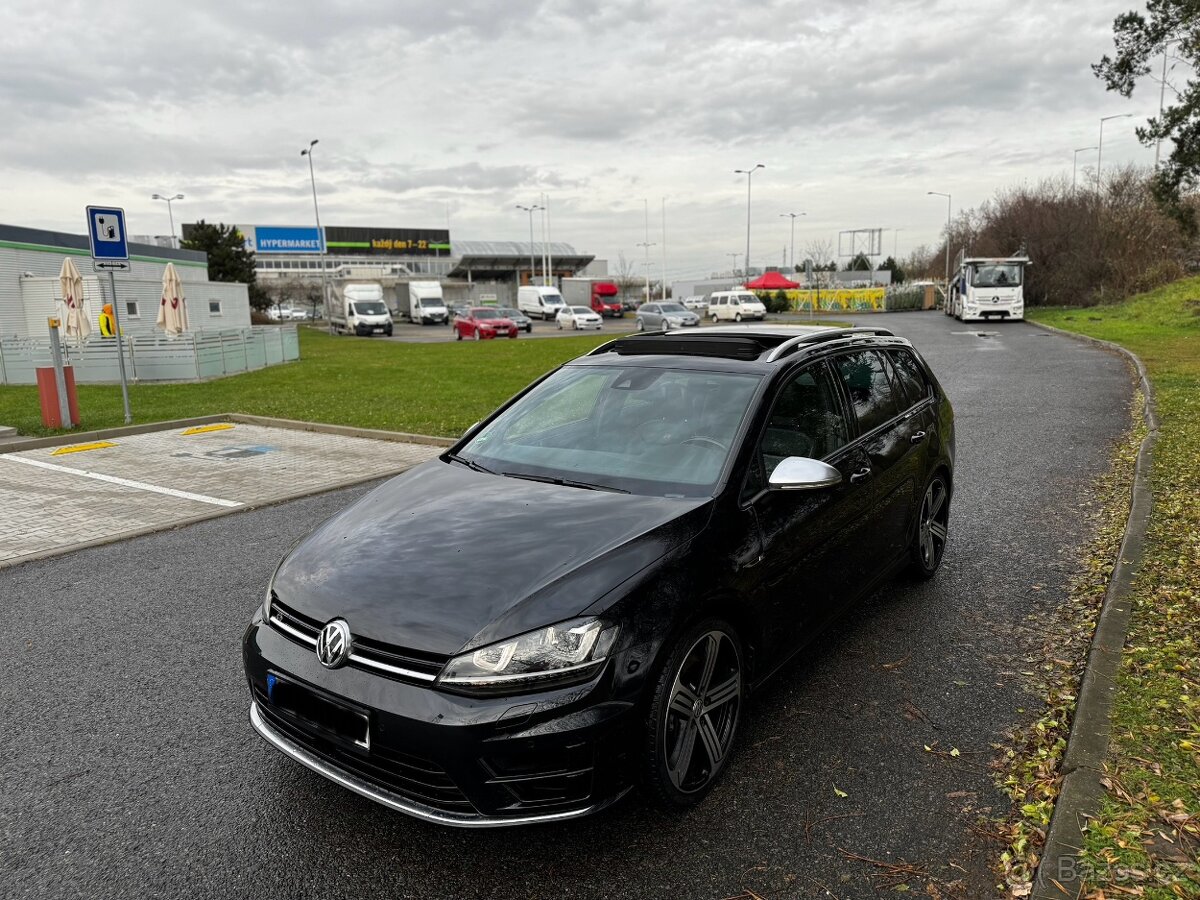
205 429
124 482
80 448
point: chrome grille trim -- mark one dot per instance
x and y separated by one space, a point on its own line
355 656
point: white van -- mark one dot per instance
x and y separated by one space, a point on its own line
362 311
425 303
735 305
539 300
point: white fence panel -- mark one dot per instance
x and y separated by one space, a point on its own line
95 361
256 349
233 348
291 342
274 346
160 358
210 360
21 358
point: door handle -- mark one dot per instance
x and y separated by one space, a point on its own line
861 475
917 437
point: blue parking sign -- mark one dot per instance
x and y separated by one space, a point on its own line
106 233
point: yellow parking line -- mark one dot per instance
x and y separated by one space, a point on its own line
79 448
205 429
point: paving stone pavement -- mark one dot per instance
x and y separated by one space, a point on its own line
54 499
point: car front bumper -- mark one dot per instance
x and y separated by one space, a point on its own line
463 761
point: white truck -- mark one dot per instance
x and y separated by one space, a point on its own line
361 310
425 303
987 288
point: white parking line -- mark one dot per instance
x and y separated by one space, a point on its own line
112 479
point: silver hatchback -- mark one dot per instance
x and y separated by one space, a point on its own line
661 316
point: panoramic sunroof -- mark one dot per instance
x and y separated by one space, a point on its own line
731 347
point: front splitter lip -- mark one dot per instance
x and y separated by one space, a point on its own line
403 804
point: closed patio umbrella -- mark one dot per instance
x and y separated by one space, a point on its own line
172 309
76 323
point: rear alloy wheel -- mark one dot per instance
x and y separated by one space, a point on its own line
694 718
559 323
714 318
929 543
639 325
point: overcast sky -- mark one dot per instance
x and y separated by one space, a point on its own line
458 110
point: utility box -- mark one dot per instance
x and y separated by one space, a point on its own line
48 397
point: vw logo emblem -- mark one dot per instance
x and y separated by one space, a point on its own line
333 644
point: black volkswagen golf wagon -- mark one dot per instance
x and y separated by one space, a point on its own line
580 595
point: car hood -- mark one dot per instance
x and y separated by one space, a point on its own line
442 554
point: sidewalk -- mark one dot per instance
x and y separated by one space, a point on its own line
61 498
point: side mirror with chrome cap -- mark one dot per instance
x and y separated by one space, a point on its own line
799 473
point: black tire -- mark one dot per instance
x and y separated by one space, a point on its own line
639 325
737 317
932 529
675 727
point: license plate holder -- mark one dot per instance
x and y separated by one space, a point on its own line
318 712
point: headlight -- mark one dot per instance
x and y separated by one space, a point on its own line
566 653
266 606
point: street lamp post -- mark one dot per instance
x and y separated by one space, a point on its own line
749 173
793 217
1075 163
647 243
947 196
170 212
308 151
531 210
1100 146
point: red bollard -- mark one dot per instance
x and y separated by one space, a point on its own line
48 397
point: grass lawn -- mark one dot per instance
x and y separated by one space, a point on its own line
438 389
1146 840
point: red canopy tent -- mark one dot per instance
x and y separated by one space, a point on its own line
772 281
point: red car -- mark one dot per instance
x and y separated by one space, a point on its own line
481 322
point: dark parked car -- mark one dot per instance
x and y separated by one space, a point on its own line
522 321
583 591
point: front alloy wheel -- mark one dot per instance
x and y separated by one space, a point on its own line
929 543
695 714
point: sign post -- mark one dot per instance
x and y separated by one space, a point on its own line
110 253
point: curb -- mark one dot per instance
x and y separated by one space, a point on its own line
1079 798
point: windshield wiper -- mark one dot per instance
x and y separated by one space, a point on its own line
470 464
566 482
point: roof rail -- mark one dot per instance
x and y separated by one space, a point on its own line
791 344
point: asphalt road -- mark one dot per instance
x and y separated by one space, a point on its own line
128 768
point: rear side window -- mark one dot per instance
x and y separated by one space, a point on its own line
866 381
911 375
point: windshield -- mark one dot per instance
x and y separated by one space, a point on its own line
581 310
747 298
370 308
487 313
996 276
553 299
429 302
647 431
672 307
510 313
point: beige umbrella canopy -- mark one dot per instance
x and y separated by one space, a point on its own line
76 323
172 309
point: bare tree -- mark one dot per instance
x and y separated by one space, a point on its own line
820 251
628 280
